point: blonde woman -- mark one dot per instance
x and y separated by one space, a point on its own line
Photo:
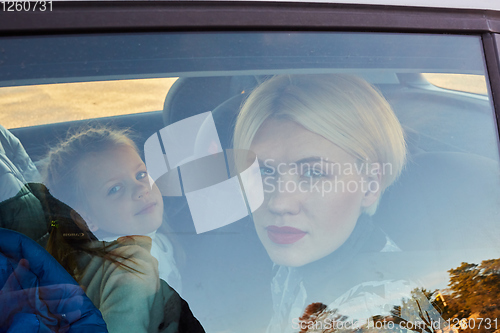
328 147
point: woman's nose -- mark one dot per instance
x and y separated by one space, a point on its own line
285 199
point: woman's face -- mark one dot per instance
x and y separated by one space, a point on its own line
314 193
119 197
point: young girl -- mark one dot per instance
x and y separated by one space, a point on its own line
100 174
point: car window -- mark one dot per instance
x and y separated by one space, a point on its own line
305 179
461 82
77 101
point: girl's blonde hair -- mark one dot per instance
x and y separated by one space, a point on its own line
344 109
61 170
70 238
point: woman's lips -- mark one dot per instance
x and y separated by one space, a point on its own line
284 235
149 208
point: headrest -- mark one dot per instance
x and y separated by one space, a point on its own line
225 116
443 201
189 96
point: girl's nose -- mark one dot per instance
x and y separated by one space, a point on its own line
142 190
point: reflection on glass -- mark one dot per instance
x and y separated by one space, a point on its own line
192 145
441 211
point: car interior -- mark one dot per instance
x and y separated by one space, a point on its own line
446 200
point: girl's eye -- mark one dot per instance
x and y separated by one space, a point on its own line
141 175
114 189
311 173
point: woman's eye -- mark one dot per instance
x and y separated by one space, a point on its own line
141 175
114 189
266 171
311 173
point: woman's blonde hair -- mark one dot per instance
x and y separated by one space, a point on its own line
344 109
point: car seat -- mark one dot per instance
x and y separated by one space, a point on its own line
189 96
205 274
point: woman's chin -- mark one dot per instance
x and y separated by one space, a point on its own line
287 258
296 255
284 254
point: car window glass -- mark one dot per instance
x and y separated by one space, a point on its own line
461 82
77 101
306 178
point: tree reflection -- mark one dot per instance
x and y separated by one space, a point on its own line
471 304
474 294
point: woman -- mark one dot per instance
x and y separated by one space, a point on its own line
328 146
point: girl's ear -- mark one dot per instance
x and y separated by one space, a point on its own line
84 221
372 185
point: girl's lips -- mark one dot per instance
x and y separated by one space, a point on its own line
149 208
284 235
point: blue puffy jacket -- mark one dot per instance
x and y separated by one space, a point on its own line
37 294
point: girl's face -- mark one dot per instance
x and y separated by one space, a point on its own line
312 198
119 197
